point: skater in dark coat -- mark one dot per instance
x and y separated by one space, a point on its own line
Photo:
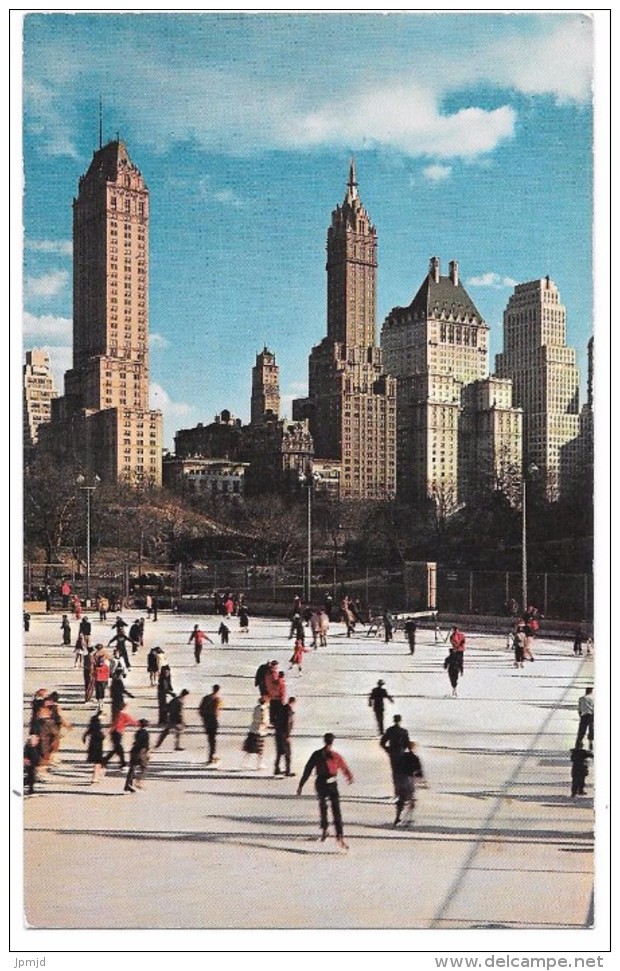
407 769
376 701
94 753
579 769
138 757
452 664
164 688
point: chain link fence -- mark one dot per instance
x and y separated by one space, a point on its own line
560 596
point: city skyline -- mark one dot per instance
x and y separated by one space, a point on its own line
242 183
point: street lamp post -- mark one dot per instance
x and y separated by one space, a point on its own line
88 489
308 480
527 474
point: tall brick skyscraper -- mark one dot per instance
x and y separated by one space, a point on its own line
545 379
351 402
265 387
103 422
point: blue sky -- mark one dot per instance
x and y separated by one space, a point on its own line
473 140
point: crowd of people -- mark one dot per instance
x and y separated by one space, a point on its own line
106 669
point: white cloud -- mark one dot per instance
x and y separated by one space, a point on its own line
160 399
48 285
158 342
47 327
281 97
437 173
64 247
493 280
225 196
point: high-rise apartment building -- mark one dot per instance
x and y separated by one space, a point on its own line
103 422
434 348
351 403
545 380
38 392
265 387
490 440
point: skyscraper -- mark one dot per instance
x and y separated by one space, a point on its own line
103 422
38 392
435 347
265 387
351 403
545 380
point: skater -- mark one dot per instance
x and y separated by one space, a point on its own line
138 757
94 753
32 758
408 768
452 664
329 606
284 729
164 688
120 722
152 665
297 656
275 684
518 644
326 764
209 710
254 743
155 607
102 676
117 665
395 741
223 631
388 626
410 631
88 673
149 605
135 635
376 701
585 707
198 636
579 769
175 721
244 619
79 651
86 629
122 641
297 629
580 639
457 642
104 606
118 692
26 621
65 627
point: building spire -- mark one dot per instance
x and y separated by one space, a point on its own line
352 183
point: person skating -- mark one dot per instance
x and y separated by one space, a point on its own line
254 743
26 621
120 722
326 764
86 629
118 693
209 710
457 643
518 644
388 626
88 673
122 641
410 632
283 730
152 665
65 627
452 664
579 769
198 636
296 657
579 640
376 701
395 741
94 752
138 757
164 688
585 708
175 721
407 769
32 758
244 619
223 631
102 675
